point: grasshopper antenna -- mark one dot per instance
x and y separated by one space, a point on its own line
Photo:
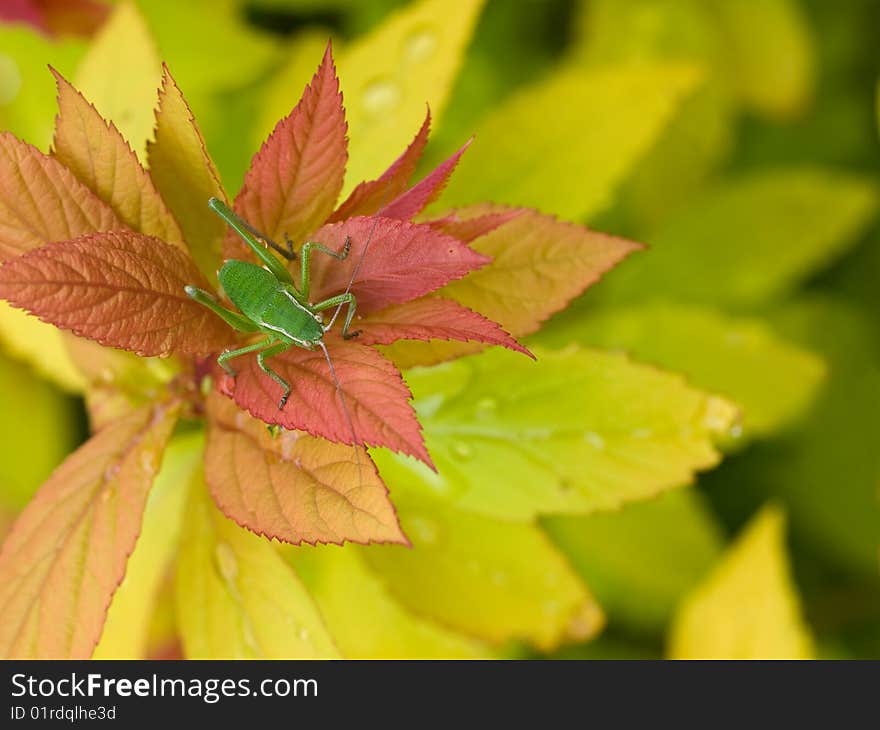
357 452
360 260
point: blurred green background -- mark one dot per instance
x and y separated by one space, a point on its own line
755 189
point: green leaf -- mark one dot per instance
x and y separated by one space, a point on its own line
364 618
628 31
750 239
826 472
124 93
387 76
742 359
577 431
27 91
769 55
641 560
747 608
126 630
701 134
492 579
209 43
32 446
584 133
236 597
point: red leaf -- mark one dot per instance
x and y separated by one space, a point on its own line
375 395
121 289
434 318
404 261
420 195
469 229
23 11
368 197
294 487
41 201
295 178
74 17
67 553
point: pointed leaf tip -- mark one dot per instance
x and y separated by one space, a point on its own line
425 192
435 318
94 150
295 178
369 197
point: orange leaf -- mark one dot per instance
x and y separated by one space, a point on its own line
434 318
539 264
294 487
121 289
376 397
420 195
295 178
94 150
42 201
404 261
468 229
368 197
67 552
186 176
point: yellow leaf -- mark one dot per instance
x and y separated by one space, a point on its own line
492 579
186 177
772 381
41 345
747 608
95 152
565 143
539 264
750 238
363 617
388 76
578 431
236 597
126 630
120 74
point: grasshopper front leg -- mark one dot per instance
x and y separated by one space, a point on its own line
257 243
305 276
336 301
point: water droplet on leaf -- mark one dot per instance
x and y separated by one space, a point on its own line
10 79
485 407
419 45
424 530
461 450
227 565
381 96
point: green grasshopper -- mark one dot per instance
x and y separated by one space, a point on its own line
269 302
